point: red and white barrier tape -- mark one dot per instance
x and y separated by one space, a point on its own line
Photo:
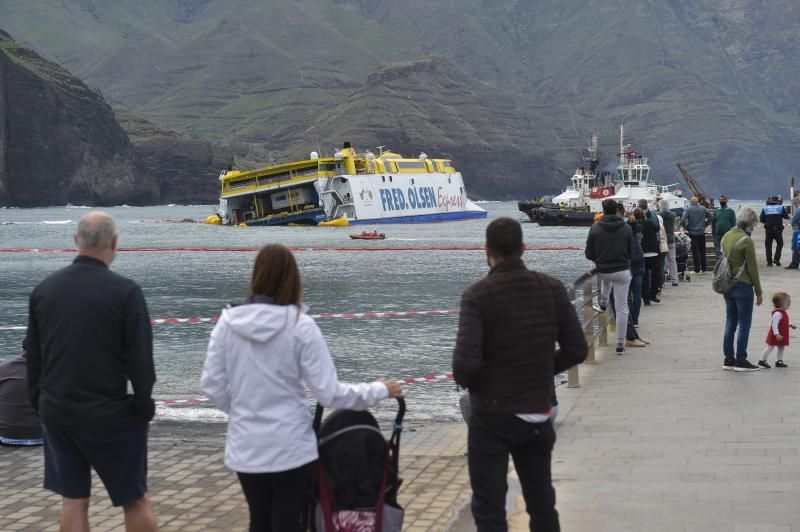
323 316
251 250
412 380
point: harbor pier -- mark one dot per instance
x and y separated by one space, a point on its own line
659 439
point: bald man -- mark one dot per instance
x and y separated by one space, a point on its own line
89 336
695 220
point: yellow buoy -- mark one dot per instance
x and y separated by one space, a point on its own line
213 219
337 222
242 225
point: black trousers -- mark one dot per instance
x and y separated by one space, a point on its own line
650 281
699 252
491 439
775 235
277 501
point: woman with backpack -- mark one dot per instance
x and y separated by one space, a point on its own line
260 357
740 251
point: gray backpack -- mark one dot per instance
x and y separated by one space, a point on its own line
723 280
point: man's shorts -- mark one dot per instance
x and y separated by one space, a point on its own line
118 455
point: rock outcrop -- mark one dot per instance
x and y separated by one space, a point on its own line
59 140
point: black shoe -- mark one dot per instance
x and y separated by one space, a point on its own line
763 364
729 363
769 264
777 263
655 300
674 284
620 350
780 364
745 365
646 302
790 267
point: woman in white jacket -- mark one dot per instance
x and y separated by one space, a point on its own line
261 356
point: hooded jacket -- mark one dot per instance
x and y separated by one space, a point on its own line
259 357
610 244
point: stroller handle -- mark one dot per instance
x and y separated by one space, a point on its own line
401 412
398 420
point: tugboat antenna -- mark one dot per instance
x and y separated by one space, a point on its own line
380 149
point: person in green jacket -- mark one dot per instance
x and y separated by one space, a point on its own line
722 221
740 250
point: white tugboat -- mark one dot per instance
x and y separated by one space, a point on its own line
577 204
633 182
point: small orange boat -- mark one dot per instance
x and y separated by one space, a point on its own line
369 235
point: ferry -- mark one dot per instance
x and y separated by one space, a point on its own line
348 188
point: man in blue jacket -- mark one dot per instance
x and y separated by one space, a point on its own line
695 220
772 216
795 234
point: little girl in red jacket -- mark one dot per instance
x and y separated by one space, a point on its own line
778 335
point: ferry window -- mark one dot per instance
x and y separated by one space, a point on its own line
411 165
461 190
448 180
390 179
447 164
383 178
412 180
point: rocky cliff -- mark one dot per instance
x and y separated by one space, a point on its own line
59 140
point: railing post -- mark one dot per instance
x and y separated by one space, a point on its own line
573 378
588 318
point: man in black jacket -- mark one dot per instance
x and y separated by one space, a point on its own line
88 336
505 355
610 246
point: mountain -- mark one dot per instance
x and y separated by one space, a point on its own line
59 140
709 83
501 143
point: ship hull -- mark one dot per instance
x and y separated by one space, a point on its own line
545 216
398 199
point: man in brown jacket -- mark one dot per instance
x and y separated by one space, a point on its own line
506 357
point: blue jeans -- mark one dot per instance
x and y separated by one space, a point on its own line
717 245
795 250
637 274
738 313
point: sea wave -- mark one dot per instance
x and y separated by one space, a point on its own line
54 222
190 413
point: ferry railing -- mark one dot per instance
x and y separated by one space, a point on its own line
582 292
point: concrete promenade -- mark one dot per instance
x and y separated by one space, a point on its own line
658 439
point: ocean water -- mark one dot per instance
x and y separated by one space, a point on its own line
199 284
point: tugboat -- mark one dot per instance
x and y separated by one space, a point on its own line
633 182
577 204
584 197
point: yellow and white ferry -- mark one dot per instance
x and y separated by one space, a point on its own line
347 188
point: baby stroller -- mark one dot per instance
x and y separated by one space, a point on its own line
356 479
682 246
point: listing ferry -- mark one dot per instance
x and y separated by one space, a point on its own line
349 188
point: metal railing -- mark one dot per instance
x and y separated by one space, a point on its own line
582 293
